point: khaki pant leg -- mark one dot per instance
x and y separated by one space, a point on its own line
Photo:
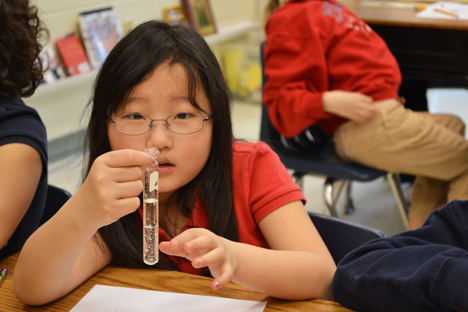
400 140
430 194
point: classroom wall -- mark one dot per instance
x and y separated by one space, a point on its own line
61 16
62 106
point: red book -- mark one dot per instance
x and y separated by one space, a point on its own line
73 55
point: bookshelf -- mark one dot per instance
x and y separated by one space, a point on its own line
65 83
226 31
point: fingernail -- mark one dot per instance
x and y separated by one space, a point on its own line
216 285
199 262
191 246
175 242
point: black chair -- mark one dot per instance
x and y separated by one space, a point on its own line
56 197
323 160
342 236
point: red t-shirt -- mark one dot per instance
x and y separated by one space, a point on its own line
314 46
261 184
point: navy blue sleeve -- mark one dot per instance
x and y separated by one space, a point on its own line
420 270
22 124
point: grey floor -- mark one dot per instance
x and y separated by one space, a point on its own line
374 201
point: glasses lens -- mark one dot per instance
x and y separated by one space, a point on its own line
133 124
185 123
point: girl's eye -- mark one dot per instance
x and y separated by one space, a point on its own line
134 116
183 116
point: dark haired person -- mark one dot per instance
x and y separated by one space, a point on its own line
227 208
23 140
326 67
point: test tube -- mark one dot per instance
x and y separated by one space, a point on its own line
151 210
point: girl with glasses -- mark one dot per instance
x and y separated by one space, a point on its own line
228 209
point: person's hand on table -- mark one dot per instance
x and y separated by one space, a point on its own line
204 249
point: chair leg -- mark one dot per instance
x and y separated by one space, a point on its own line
402 203
349 200
329 198
298 178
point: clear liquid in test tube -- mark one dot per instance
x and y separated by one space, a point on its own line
151 210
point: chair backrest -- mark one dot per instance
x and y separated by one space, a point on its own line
342 236
56 197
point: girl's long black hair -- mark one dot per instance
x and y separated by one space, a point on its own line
132 60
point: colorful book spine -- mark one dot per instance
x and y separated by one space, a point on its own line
73 55
100 32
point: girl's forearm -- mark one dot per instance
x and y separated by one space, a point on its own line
292 275
46 262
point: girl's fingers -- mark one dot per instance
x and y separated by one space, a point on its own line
187 237
205 242
204 246
169 250
128 189
127 205
223 279
125 174
215 256
127 158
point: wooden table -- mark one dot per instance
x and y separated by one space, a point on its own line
402 17
154 279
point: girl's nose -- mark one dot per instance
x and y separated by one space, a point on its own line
160 136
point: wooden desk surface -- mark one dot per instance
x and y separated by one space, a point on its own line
402 17
154 279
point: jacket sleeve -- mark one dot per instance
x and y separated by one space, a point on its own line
296 78
421 270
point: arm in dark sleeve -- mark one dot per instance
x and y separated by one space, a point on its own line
421 270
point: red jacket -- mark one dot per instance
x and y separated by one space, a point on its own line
315 46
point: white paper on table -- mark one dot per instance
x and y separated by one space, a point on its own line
459 9
121 299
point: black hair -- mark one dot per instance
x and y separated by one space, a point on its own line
20 34
131 61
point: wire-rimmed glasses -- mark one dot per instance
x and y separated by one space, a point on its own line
180 123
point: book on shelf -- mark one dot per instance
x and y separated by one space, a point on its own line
73 54
175 15
200 16
52 68
100 31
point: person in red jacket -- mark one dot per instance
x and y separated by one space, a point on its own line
326 67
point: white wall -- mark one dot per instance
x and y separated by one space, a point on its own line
449 101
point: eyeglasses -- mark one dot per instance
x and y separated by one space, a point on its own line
180 123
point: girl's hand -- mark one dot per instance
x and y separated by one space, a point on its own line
204 249
354 106
112 186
